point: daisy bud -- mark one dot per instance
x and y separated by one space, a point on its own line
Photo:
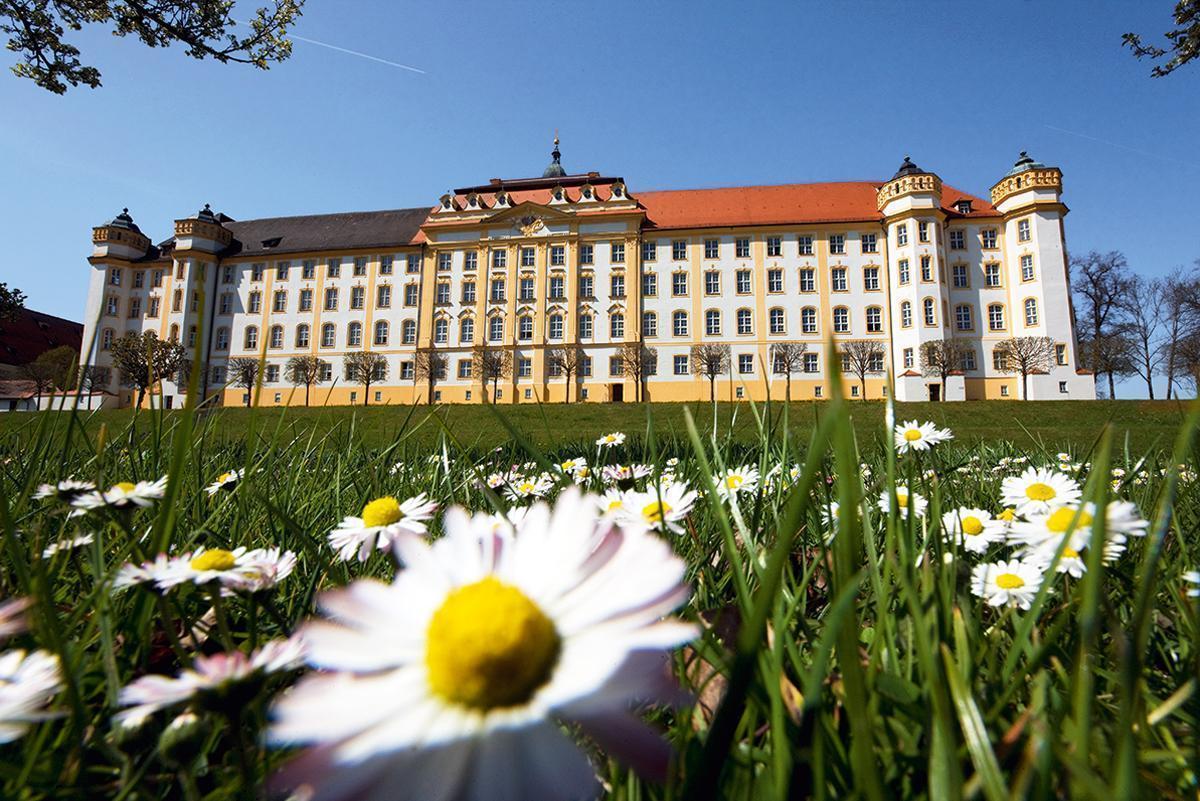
181 742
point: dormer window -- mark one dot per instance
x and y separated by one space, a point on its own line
587 193
963 206
558 194
446 202
618 190
273 242
473 200
501 199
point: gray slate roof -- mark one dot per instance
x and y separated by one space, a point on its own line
355 229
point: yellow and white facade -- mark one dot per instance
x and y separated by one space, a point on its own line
578 261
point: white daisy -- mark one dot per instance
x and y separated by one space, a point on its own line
624 474
124 495
661 509
12 617
225 481
383 521
1039 491
1013 583
133 575
238 570
28 682
904 502
529 487
973 529
829 518
67 544
451 682
914 436
65 491
610 440
735 481
209 679
1193 577
570 467
1121 519
610 503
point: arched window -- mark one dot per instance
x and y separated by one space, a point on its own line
745 321
777 321
250 339
525 327
328 335
466 330
808 320
996 317
712 323
905 314
496 329
649 324
222 340
556 326
441 331
841 320
963 318
408 332
616 326
381 332
302 331
277 336
930 311
874 320
679 323
354 335
1031 312
106 339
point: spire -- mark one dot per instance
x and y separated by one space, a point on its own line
1025 162
555 170
907 168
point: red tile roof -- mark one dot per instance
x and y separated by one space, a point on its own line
24 339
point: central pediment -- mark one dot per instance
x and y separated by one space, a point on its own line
528 218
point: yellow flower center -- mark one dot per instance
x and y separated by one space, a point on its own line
902 500
733 482
912 434
489 646
1009 581
1060 521
655 511
1038 491
221 479
381 512
528 486
614 504
124 486
566 465
1008 514
215 559
971 526
1070 553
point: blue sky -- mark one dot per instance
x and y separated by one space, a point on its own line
668 95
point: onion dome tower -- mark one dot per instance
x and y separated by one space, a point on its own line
555 170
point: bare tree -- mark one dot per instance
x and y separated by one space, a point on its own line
365 367
639 363
711 361
942 358
142 360
567 363
430 366
1100 282
1144 307
92 378
1025 356
306 370
1182 42
490 364
1187 356
787 358
863 357
1179 321
43 377
243 372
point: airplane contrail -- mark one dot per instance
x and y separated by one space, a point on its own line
1139 151
348 51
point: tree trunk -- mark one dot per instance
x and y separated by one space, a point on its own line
141 395
712 389
307 387
1024 385
787 384
1112 386
943 389
862 382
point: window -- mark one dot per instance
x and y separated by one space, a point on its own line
838 279
741 248
525 288
333 268
903 274
871 278
135 307
308 269
742 278
957 240
804 245
279 301
617 252
679 250
498 292
1027 267
157 278
616 326
524 367
679 284
649 284
777 321
869 243
471 260
679 323
1062 387
902 234
445 260
139 279
406 371
988 237
617 286
745 321
837 244
811 364
841 320
558 255
962 318
968 361
468 292
360 265
808 320
354 335
996 317
711 248
712 323
745 363
441 331
466 330
221 343
499 259
357 297
908 357
276 339
926 269
226 275
306 300
152 311
302 334
930 311
528 257
649 324
585 370
272 375
328 335
775 280
1023 234
999 360
256 272
712 282
464 368
558 287
413 263
525 327
441 292
1060 355
958 274
249 338
556 326
587 254
923 231
496 329
680 365
1031 312
808 280
408 332
385 265
774 246
615 367
585 326
905 314
874 320
875 364
991 275
586 286
253 303
649 251
326 371
331 299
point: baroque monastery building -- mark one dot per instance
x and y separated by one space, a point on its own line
534 268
